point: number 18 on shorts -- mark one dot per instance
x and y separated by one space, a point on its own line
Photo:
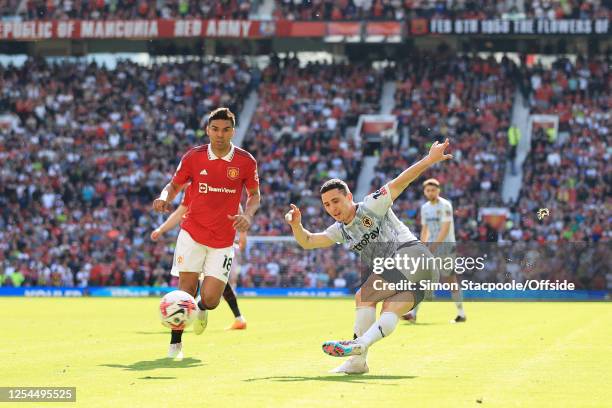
190 256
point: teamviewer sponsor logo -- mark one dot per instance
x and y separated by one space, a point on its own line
204 188
365 240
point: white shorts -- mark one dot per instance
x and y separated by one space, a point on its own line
190 256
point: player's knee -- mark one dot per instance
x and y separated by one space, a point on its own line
359 302
211 302
189 288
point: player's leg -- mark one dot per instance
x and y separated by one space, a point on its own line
365 316
217 267
457 296
188 261
395 304
367 297
230 297
393 307
188 282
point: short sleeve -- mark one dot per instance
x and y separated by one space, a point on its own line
182 174
447 212
334 233
252 179
379 201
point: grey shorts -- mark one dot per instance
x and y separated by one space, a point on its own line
420 267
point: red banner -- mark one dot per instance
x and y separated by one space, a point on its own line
300 29
134 29
385 28
252 29
346 29
419 26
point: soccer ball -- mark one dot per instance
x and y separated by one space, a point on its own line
177 310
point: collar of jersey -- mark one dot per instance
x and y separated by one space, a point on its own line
228 157
354 218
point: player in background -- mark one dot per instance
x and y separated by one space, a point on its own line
372 229
438 230
217 173
228 294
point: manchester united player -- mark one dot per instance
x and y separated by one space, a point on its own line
218 172
228 294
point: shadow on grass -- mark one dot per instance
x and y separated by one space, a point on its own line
159 363
358 379
153 332
148 377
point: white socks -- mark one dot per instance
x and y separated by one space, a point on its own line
458 299
364 319
382 328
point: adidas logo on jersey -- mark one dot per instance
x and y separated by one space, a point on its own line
204 173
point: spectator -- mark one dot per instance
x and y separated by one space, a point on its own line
514 136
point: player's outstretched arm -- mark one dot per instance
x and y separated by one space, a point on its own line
162 203
171 222
305 238
436 154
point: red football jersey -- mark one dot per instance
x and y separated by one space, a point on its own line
214 193
186 199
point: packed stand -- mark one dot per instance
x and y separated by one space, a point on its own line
8 7
583 264
298 134
84 151
398 10
284 264
568 9
569 172
474 113
135 9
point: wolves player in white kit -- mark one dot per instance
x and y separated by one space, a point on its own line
439 231
372 229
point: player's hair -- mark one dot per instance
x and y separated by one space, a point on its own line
222 114
431 182
334 183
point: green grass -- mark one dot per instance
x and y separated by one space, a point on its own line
506 355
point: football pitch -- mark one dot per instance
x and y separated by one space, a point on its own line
506 355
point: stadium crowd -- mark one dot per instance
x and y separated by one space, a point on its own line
575 9
298 133
284 264
474 113
460 9
398 10
84 150
388 10
128 9
569 170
